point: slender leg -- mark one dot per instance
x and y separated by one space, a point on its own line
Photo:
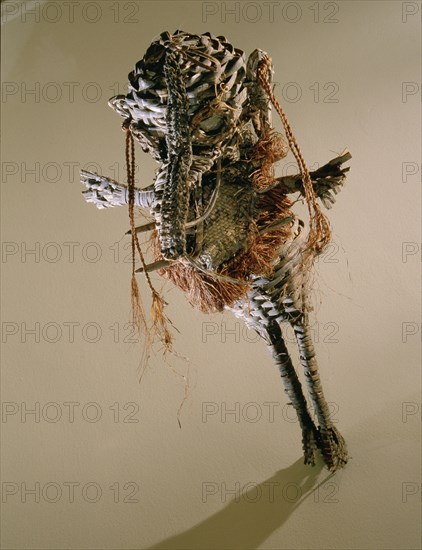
262 314
330 441
286 288
293 388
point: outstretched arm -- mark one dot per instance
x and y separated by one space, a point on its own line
105 192
327 180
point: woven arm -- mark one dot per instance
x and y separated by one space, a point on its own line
106 193
327 180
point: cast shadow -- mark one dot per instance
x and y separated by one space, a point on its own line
249 521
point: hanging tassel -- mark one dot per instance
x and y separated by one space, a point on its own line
160 321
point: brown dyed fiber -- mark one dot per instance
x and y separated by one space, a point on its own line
270 148
211 292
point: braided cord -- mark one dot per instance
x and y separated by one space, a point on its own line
319 231
130 167
159 319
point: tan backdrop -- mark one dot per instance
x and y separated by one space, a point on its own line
94 459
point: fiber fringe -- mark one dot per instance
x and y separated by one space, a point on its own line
208 292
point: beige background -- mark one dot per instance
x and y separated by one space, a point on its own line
123 441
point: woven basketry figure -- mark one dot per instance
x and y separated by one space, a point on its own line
223 226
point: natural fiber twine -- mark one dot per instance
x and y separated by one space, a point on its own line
160 321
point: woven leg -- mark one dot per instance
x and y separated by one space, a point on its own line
330 441
263 315
293 388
